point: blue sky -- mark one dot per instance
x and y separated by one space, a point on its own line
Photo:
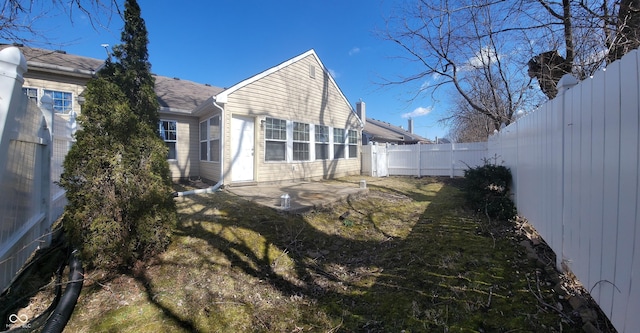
225 41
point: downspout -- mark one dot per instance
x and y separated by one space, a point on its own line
222 124
215 187
199 191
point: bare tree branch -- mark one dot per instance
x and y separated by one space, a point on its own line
19 18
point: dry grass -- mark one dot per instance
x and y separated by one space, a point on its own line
406 258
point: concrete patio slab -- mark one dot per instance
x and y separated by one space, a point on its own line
304 196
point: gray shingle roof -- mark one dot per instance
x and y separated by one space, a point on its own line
174 94
36 56
380 131
178 94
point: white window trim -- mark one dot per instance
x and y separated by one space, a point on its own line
288 143
312 143
208 138
174 141
308 142
44 92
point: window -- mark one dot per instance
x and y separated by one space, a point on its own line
322 142
275 134
204 145
214 139
210 139
352 140
338 143
61 101
168 133
300 142
32 93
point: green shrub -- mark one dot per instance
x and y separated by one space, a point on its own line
116 175
486 190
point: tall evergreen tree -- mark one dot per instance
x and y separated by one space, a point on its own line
116 175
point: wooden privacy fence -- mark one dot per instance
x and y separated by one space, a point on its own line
576 168
30 162
444 159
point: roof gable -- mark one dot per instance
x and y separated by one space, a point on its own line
223 96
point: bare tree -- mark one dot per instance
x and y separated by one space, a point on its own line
18 18
488 51
466 125
465 45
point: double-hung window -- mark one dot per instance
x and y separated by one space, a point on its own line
322 142
62 101
168 133
300 141
210 139
275 134
338 143
352 141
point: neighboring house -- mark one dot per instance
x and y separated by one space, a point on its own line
60 75
290 122
381 132
376 131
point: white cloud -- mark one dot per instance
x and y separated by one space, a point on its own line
419 112
354 50
483 58
333 73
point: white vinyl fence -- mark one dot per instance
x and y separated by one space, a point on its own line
444 159
576 168
30 161
576 177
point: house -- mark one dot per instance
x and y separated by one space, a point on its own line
376 131
290 122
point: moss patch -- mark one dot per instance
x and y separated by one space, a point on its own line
410 259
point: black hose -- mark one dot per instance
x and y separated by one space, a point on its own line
60 316
56 248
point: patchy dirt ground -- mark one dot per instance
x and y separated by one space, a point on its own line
408 257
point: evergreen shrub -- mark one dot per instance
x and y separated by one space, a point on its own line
486 190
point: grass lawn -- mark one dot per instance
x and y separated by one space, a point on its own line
407 258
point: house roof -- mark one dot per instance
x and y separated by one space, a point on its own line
380 131
58 61
182 95
174 94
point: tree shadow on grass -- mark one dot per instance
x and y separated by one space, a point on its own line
238 265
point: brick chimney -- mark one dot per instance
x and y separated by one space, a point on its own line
361 111
410 125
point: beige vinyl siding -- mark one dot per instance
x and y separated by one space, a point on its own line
45 82
187 161
291 94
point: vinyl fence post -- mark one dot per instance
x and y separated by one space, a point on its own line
419 162
451 165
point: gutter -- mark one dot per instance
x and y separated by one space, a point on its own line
215 187
61 69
